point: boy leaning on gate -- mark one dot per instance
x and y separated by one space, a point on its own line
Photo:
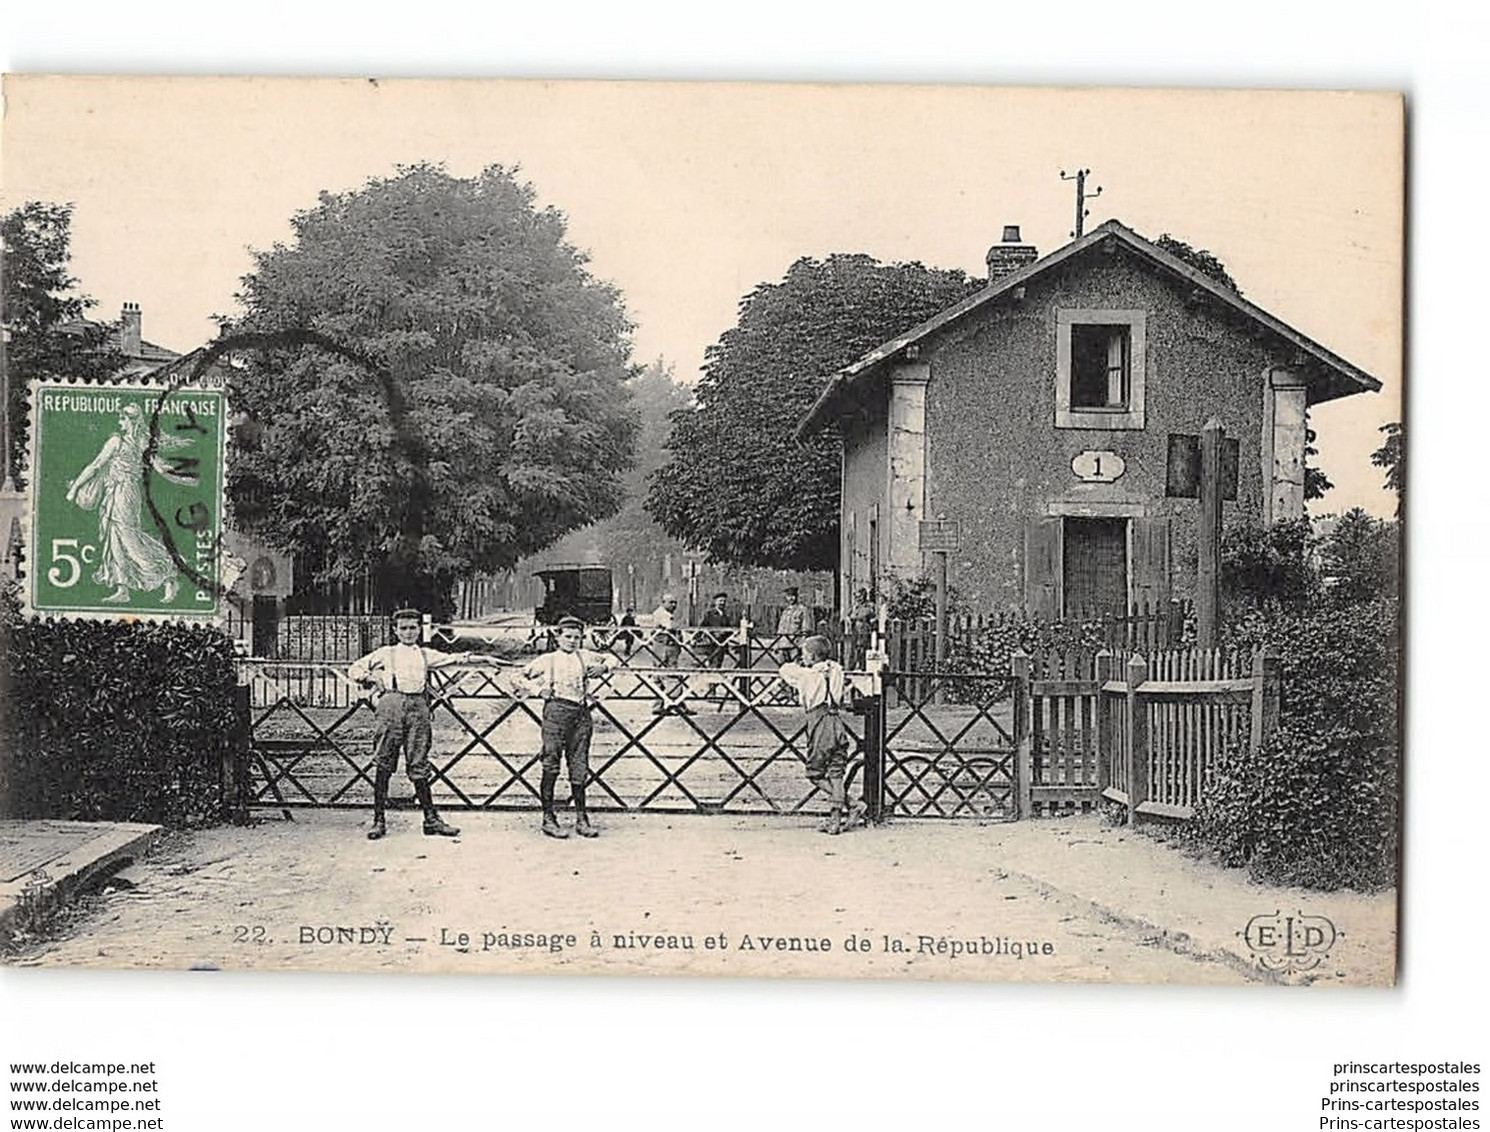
562 679
820 684
402 716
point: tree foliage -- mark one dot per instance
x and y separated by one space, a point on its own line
631 535
1267 569
1390 457
736 485
1200 259
1316 483
490 414
1361 558
43 311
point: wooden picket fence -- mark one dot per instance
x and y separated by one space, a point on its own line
1142 731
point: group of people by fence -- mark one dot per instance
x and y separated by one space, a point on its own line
725 631
565 679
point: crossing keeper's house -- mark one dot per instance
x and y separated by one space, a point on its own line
1036 414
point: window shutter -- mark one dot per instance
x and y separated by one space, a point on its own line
1117 365
1151 562
1042 568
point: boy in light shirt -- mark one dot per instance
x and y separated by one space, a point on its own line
562 679
402 716
820 684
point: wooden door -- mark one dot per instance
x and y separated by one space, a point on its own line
1094 562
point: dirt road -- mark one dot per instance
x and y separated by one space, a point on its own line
693 895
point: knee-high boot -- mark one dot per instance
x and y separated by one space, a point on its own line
551 824
434 826
582 824
379 828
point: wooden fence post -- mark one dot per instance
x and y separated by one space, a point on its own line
1019 667
1208 536
1267 697
1103 673
874 757
1136 753
234 773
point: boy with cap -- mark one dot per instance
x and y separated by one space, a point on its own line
563 681
819 683
402 716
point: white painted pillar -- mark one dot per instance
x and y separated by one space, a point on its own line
1288 429
907 451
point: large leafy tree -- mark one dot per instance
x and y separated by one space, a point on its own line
631 535
736 485
478 410
46 334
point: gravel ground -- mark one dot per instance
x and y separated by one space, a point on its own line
1055 900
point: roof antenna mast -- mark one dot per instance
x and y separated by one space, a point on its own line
1082 196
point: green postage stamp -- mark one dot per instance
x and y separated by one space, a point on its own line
126 498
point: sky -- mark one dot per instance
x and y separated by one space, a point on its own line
687 195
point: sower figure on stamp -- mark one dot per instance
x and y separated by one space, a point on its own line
129 557
563 679
402 717
820 684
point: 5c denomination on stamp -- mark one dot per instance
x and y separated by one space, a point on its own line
126 492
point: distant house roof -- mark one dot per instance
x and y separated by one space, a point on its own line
147 356
1327 375
158 363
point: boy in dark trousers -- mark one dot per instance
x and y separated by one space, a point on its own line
563 681
402 716
820 684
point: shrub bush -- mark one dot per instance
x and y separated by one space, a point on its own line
1318 804
1267 568
1360 559
106 721
990 648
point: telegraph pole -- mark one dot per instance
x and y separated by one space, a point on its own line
1082 196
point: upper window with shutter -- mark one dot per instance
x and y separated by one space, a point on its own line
1100 368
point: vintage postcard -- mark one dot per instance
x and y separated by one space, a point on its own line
496 527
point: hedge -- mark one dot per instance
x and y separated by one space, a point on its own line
1318 805
106 721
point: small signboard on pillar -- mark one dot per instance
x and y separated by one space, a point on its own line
940 537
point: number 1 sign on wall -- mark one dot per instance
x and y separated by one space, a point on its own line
125 488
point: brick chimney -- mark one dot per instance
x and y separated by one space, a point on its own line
1009 254
130 322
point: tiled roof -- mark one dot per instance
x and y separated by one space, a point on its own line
1331 376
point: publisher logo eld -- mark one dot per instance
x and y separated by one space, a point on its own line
1290 944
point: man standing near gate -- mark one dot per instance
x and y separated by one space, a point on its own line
667 647
794 623
402 716
716 619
